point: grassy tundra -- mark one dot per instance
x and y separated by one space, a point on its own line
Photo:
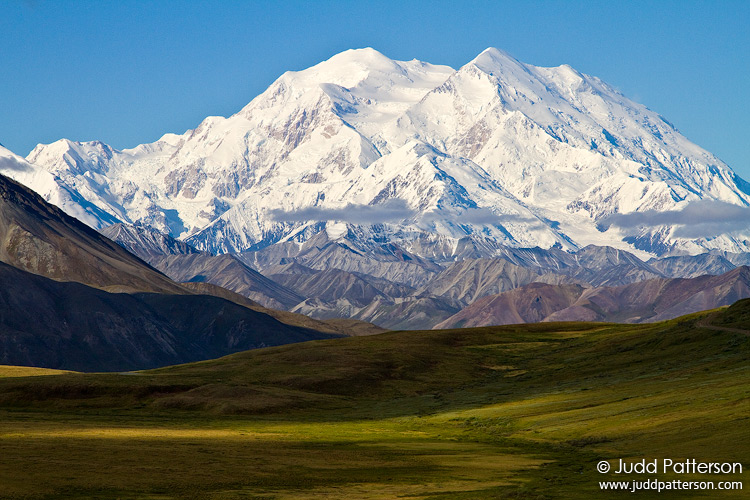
521 411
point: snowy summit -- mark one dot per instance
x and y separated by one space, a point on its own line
499 152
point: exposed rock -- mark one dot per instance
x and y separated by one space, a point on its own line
40 238
646 301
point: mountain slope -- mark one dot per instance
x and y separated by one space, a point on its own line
145 242
660 299
338 326
531 303
411 313
72 326
227 272
470 279
438 162
330 285
691 266
347 252
183 263
40 238
647 301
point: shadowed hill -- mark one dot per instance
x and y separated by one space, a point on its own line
68 325
398 373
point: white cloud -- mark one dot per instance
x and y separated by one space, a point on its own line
393 211
699 219
390 211
12 164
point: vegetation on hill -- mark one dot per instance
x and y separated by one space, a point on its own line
522 411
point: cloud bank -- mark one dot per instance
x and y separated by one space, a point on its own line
12 164
392 211
699 219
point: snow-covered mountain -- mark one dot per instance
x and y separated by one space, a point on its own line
496 153
52 190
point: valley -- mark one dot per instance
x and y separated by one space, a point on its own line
523 411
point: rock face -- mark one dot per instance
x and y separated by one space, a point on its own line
145 241
646 301
40 238
471 279
445 164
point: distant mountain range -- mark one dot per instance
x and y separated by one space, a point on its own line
445 164
645 301
324 279
365 190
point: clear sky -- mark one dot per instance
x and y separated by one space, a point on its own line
126 72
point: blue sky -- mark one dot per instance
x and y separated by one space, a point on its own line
126 72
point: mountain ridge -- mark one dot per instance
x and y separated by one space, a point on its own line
498 151
646 301
40 238
329 278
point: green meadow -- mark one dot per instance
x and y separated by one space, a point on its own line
520 412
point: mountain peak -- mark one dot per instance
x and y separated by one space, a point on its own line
509 152
492 59
362 54
495 52
348 68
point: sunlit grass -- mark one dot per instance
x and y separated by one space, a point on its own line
27 371
279 460
509 412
